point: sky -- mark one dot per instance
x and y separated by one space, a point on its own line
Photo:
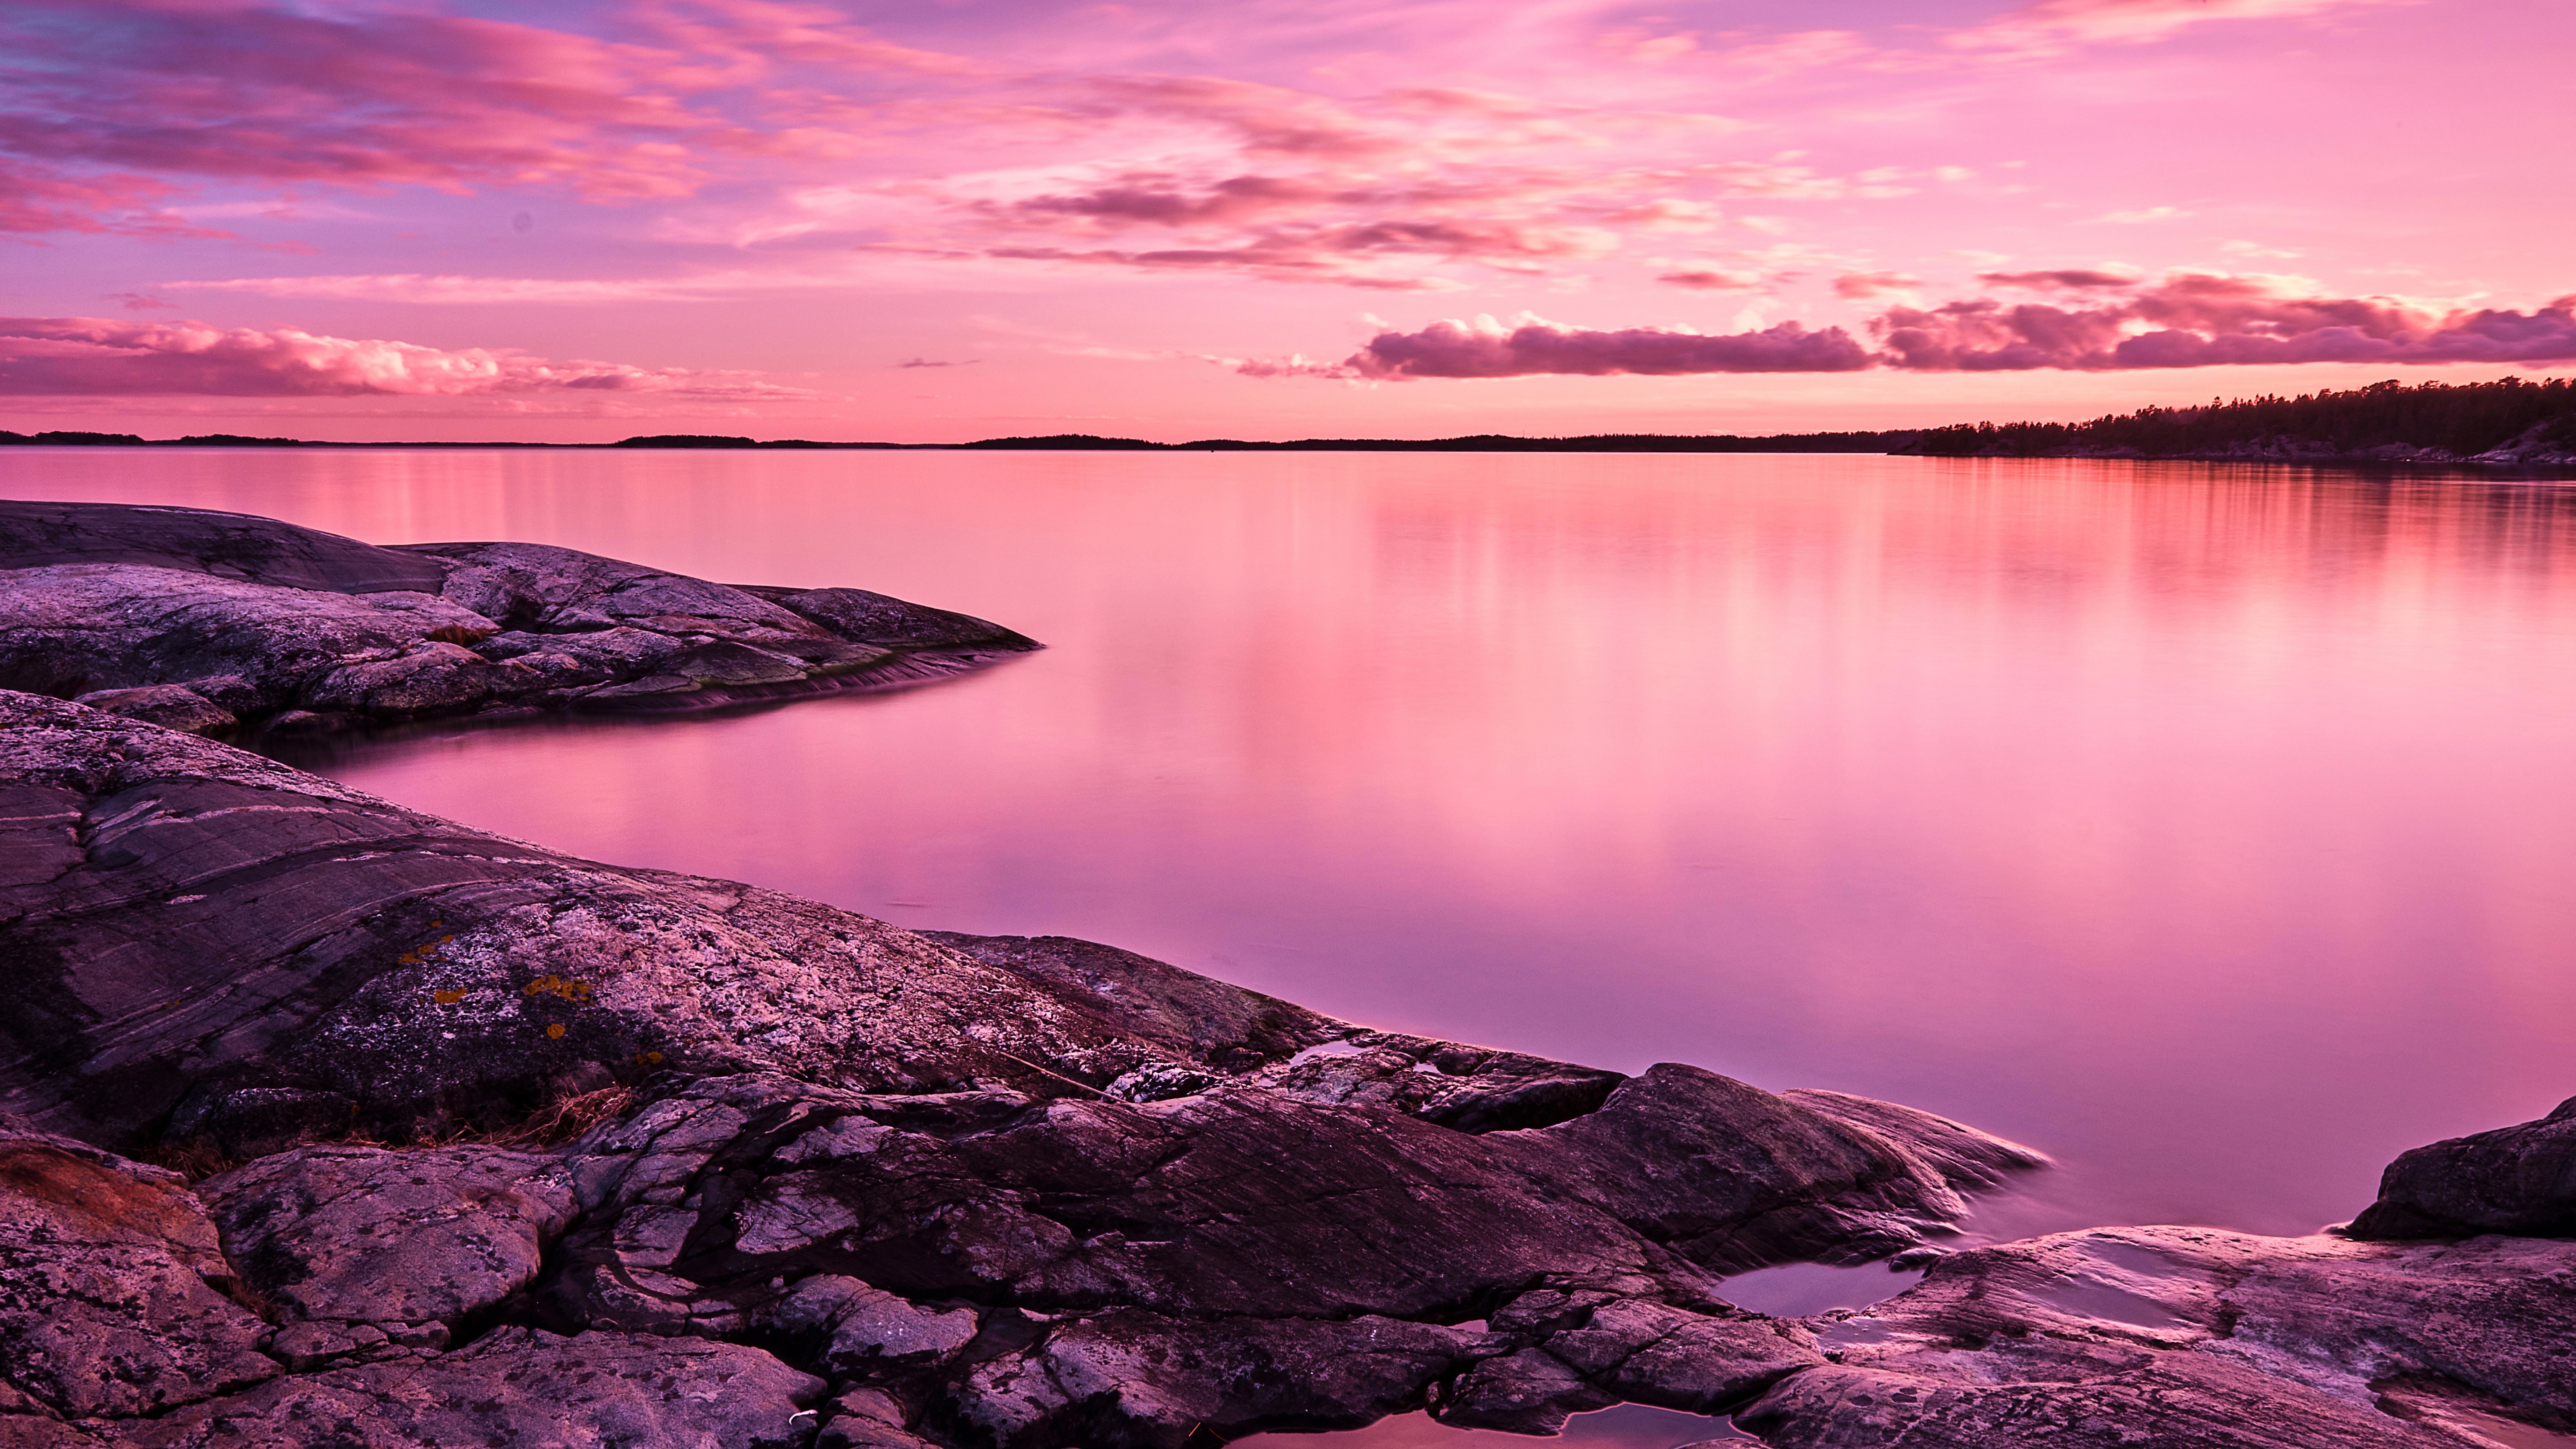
951 219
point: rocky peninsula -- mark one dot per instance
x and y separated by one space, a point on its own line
219 622
332 1123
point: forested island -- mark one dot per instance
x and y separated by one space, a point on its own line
2506 423
2510 422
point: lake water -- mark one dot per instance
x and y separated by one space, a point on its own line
2212 828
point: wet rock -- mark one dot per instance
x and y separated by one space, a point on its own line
2519 1179
893 623
110 1279
1733 1177
2190 1337
409 1244
258 617
591 1388
1529 1392
171 706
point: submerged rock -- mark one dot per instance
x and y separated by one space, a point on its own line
201 621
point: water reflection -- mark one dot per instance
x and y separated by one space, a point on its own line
2204 826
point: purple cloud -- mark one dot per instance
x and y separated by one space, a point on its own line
1866 286
56 356
2194 319
2190 319
2063 279
1485 348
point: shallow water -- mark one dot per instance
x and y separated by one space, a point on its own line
2205 826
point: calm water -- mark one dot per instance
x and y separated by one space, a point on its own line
2209 827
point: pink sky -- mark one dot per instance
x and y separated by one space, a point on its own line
341 219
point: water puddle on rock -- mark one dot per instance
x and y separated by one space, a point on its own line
1798 1289
1622 1426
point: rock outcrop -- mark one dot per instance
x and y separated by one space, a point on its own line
498 1145
2519 1180
207 622
2188 1337
1010 1193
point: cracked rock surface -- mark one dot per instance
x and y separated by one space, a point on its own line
851 1185
206 621
2189 1337
866 1186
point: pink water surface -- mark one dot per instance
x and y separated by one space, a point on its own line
2209 827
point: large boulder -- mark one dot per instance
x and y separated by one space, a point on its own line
2519 1179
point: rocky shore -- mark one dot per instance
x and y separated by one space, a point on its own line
328 1123
216 623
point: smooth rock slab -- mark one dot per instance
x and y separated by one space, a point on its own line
515 1386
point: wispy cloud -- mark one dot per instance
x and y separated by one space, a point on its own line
55 356
2052 27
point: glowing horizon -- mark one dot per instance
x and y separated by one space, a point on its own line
575 223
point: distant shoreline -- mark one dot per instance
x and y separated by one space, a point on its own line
2508 425
1859 442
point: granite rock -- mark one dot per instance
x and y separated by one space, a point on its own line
2519 1179
417 1244
171 706
112 1288
2193 1337
513 1386
312 632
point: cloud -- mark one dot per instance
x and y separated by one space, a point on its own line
1867 286
1531 345
2064 279
57 356
2051 27
1714 279
2143 215
2197 319
40 198
2189 319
